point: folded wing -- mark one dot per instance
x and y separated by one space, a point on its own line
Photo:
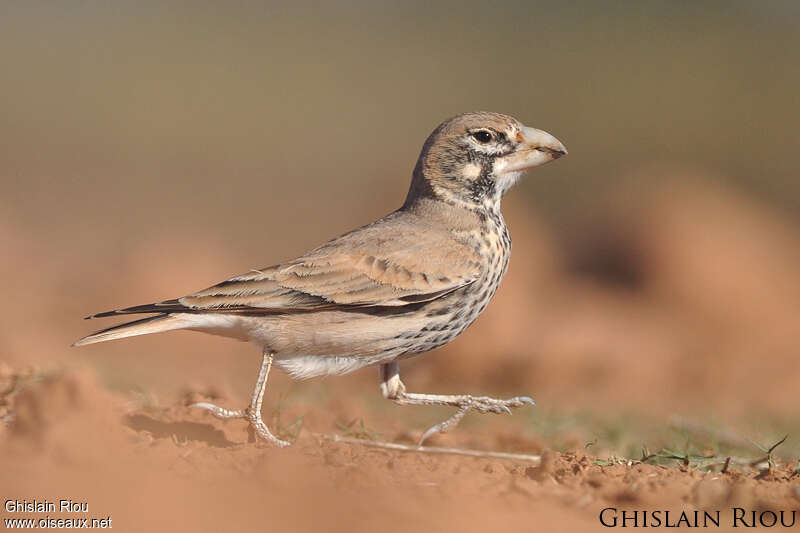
389 263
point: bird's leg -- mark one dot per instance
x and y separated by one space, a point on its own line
253 412
394 389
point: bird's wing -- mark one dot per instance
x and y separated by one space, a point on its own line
388 263
392 262
398 260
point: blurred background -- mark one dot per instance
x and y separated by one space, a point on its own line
150 149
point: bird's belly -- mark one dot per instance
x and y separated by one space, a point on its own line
331 342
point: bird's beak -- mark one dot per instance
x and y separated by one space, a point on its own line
536 147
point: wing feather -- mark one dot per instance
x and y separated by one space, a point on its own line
388 263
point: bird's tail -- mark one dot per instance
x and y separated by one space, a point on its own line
143 326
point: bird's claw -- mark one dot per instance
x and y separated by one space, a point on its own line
263 431
485 404
220 412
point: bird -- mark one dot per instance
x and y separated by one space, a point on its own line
403 285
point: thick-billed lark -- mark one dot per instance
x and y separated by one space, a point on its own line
405 284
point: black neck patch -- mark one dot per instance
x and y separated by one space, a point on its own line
484 184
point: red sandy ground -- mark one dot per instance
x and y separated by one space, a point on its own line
179 470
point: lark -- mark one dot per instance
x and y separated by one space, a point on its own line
403 285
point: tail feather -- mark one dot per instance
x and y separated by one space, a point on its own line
143 326
167 306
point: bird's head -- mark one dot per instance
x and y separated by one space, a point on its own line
475 158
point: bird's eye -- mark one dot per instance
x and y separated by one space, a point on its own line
482 137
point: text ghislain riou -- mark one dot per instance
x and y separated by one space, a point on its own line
45 506
739 517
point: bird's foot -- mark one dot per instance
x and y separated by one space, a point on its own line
263 431
482 404
253 416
